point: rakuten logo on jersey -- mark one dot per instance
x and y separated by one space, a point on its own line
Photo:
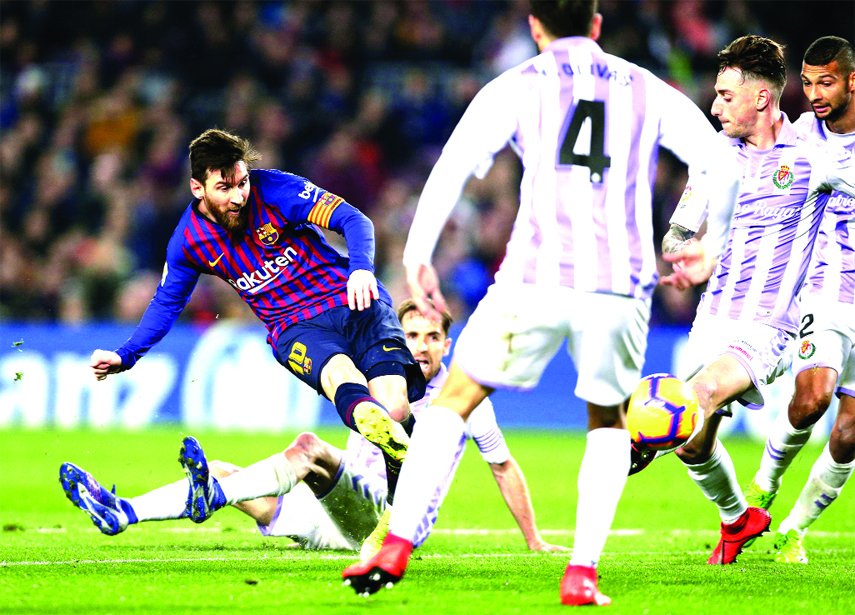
254 281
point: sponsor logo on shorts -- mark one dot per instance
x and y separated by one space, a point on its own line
741 351
783 177
806 349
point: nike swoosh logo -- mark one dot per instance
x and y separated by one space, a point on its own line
214 264
388 349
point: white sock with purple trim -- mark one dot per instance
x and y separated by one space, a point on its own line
602 477
825 483
717 479
432 458
784 443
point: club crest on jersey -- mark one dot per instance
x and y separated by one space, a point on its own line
783 177
806 349
267 234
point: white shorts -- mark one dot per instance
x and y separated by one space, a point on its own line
517 329
342 518
827 339
763 350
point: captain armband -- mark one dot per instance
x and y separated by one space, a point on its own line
323 209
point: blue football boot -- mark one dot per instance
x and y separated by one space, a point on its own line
206 495
110 513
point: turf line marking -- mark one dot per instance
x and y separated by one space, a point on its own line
438 532
349 557
342 557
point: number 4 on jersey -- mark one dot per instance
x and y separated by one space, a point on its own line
596 161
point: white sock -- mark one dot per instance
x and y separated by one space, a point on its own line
435 450
601 480
717 479
784 443
825 483
167 502
271 476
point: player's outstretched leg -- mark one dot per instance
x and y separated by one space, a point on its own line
734 536
579 587
385 569
206 495
378 427
110 513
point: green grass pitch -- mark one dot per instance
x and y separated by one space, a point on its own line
53 560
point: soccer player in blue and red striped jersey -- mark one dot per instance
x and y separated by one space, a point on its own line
259 231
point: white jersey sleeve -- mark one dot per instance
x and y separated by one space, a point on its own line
711 195
687 133
482 427
485 128
684 129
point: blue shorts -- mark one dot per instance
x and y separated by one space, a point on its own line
370 338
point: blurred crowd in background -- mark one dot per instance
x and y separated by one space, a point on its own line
100 100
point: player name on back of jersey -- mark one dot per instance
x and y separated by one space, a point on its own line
603 71
253 281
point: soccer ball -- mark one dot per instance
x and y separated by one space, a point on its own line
662 413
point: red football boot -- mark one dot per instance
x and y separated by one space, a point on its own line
579 587
385 569
750 525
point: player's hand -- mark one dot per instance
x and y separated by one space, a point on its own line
104 362
361 287
690 265
540 545
424 288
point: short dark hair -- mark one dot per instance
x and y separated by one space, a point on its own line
828 49
408 305
565 17
756 57
218 150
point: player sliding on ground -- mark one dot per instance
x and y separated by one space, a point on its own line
323 497
825 354
330 322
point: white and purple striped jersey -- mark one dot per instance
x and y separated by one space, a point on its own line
832 269
481 427
776 218
588 126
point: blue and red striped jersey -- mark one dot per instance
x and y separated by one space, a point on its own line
281 265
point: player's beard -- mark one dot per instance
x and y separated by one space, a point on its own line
835 113
229 222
